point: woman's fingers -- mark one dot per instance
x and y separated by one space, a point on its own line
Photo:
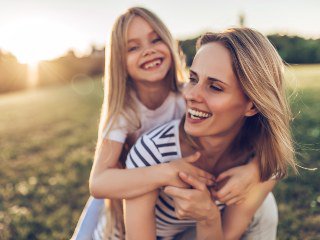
195 183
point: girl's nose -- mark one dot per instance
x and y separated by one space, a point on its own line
148 51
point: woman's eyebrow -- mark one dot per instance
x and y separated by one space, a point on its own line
193 72
212 79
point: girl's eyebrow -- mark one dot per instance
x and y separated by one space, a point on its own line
211 79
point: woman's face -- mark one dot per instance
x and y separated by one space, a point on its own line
148 57
216 104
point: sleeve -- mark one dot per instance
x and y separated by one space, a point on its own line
143 153
119 131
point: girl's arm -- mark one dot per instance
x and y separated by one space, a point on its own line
240 181
236 218
140 217
108 181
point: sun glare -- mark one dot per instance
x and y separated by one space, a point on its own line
34 39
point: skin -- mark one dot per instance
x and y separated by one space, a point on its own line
214 90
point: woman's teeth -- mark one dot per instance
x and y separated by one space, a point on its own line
194 114
151 64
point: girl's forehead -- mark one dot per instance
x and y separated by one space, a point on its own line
138 27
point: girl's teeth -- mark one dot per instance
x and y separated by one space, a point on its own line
152 64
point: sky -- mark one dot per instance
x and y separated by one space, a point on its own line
36 30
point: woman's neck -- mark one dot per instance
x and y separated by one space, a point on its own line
217 152
152 95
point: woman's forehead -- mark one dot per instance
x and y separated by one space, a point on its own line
213 60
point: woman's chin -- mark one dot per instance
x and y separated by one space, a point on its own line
192 131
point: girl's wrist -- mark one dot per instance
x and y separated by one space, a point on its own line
160 176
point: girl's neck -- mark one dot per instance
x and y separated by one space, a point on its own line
152 95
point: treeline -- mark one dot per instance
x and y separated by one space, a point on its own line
14 76
292 49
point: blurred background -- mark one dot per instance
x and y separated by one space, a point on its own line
51 69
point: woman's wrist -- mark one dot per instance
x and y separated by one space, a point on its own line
213 216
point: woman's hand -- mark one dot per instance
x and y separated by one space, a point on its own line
172 169
195 203
240 181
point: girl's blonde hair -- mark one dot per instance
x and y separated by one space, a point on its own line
118 86
260 71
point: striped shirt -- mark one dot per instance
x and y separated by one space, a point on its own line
159 146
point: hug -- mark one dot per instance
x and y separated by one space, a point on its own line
193 159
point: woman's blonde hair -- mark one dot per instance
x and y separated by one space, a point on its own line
260 72
118 86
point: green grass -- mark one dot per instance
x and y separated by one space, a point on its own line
48 136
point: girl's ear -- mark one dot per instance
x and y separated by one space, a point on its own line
251 109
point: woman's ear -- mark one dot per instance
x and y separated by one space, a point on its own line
251 109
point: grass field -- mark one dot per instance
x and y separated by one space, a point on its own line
48 136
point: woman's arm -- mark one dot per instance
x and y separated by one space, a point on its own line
195 204
140 217
108 181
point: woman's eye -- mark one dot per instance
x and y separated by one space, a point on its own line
216 88
193 80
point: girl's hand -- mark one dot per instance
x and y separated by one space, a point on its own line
240 181
173 168
193 203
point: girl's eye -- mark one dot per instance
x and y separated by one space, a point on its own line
156 40
216 88
131 49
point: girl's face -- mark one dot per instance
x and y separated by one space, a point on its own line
148 57
216 104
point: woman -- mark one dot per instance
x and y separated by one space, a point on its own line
236 108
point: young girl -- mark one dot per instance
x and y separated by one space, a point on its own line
143 78
236 106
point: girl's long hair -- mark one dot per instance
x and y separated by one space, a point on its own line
118 86
260 72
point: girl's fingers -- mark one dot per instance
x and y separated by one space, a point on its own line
195 183
224 175
175 191
236 200
205 174
193 157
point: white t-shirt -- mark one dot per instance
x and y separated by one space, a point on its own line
172 108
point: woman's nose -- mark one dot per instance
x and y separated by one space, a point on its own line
193 93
